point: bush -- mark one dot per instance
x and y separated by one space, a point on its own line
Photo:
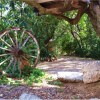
29 76
35 76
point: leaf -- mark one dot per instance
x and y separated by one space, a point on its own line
12 5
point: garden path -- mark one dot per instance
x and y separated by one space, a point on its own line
64 64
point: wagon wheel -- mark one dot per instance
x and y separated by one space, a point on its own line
18 48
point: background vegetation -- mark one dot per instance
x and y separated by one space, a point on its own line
77 40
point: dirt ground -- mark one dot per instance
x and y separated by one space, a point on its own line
64 91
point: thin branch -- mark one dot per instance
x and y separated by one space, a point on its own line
76 19
41 9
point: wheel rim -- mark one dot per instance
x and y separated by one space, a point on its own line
18 48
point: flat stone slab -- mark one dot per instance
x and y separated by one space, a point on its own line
26 96
70 76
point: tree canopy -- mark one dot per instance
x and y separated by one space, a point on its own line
79 39
59 7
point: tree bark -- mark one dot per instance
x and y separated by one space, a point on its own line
94 14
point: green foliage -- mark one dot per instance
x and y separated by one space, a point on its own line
21 15
55 82
3 80
78 40
9 81
29 77
35 77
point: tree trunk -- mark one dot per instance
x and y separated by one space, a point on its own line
94 14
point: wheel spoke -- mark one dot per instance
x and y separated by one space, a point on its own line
16 38
25 57
34 50
14 66
23 34
32 56
5 61
2 55
4 49
21 38
5 42
19 64
25 41
11 61
12 40
4 33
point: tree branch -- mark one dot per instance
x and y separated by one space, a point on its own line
56 11
74 21
41 9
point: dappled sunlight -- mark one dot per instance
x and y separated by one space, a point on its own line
64 64
44 67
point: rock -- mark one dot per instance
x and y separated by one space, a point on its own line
94 99
67 76
26 96
2 99
91 72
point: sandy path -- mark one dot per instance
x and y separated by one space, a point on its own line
64 64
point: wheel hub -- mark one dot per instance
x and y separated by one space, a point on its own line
17 52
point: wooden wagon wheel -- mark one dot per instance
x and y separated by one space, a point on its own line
18 48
